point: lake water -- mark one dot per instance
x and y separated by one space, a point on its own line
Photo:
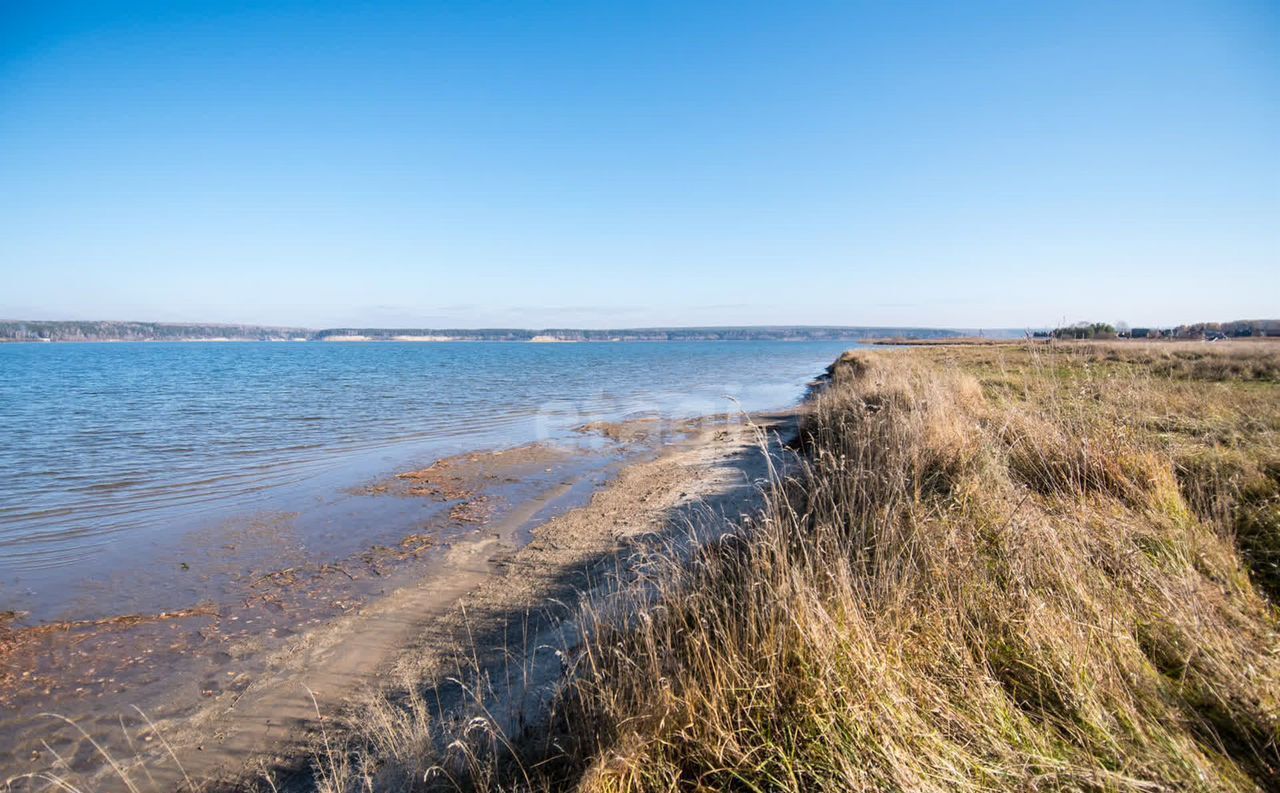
104 448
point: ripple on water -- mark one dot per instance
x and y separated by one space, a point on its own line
105 446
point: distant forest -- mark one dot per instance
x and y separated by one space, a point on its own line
749 333
160 331
1238 329
22 330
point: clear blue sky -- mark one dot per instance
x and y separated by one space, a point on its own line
604 164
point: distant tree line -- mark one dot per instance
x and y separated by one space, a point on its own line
1243 328
761 333
757 333
31 330
26 330
1085 330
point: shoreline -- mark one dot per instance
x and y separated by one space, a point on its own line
223 630
100 487
255 699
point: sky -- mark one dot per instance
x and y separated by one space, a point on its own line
536 164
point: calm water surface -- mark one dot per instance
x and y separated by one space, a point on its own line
104 447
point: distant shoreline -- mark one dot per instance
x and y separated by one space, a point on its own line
43 331
415 340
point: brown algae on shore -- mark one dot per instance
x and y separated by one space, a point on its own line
94 672
632 431
25 665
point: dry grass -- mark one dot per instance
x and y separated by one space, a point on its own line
1012 567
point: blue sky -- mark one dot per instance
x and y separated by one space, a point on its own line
605 164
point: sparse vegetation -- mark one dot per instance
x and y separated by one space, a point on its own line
994 568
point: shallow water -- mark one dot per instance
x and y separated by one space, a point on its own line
108 451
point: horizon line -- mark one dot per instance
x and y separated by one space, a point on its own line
774 325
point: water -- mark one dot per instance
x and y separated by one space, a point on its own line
106 449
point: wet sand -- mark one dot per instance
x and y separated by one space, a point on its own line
229 685
259 595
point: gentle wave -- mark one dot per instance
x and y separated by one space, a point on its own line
103 443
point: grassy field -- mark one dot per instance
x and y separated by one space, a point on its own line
990 568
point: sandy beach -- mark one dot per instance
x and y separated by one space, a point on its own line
224 691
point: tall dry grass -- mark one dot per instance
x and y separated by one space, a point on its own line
992 569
